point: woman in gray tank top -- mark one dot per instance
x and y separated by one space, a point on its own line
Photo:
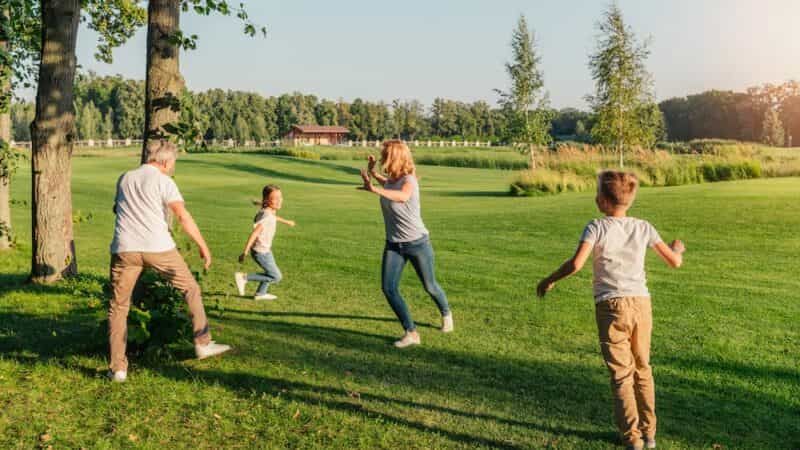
406 236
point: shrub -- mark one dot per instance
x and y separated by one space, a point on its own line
544 181
472 161
729 171
157 316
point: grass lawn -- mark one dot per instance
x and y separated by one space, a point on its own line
317 369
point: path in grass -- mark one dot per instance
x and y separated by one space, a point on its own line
316 368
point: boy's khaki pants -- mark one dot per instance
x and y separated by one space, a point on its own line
624 327
125 270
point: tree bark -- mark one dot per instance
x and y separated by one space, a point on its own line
52 135
5 137
532 156
163 82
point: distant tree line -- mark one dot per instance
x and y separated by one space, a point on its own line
768 114
112 107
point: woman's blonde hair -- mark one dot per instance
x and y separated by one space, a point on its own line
396 159
619 188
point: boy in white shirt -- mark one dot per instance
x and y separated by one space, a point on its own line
622 301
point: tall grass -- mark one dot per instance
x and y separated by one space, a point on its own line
573 168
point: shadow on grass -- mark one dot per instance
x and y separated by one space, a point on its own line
265 172
560 392
327 164
492 194
524 393
323 316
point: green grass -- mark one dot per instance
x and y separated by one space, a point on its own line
316 368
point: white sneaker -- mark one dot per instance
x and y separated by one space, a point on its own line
210 349
407 340
447 323
117 377
241 281
265 297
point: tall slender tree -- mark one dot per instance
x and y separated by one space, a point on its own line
623 87
526 101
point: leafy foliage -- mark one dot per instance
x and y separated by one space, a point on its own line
623 99
114 21
525 102
157 316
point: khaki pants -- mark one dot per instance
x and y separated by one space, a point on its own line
125 270
624 327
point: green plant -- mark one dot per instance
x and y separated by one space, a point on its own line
157 315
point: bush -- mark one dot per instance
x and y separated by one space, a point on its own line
544 181
472 161
157 316
729 171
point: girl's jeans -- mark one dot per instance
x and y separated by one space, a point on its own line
272 274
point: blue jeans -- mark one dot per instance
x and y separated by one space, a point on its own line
420 254
272 274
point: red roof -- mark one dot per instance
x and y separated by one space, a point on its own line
320 129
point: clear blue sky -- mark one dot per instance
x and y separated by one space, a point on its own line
381 50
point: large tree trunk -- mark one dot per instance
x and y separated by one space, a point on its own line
164 82
52 139
5 138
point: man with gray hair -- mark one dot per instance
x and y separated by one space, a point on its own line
145 197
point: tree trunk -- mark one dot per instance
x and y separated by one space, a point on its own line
5 138
52 140
532 156
164 83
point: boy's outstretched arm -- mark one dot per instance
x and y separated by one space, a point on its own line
570 267
672 254
250 241
285 221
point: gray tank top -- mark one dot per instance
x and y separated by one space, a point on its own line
403 220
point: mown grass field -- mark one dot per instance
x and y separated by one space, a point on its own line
317 369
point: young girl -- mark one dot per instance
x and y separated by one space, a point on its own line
406 236
260 241
622 301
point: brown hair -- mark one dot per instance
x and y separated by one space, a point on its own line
619 188
268 189
396 159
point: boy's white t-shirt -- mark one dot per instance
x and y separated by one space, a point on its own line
141 206
264 239
619 248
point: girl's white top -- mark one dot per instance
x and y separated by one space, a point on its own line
264 239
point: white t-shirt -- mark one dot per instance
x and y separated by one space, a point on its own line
620 245
142 212
264 239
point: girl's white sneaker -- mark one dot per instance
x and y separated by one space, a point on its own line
241 281
118 377
265 297
447 323
407 340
